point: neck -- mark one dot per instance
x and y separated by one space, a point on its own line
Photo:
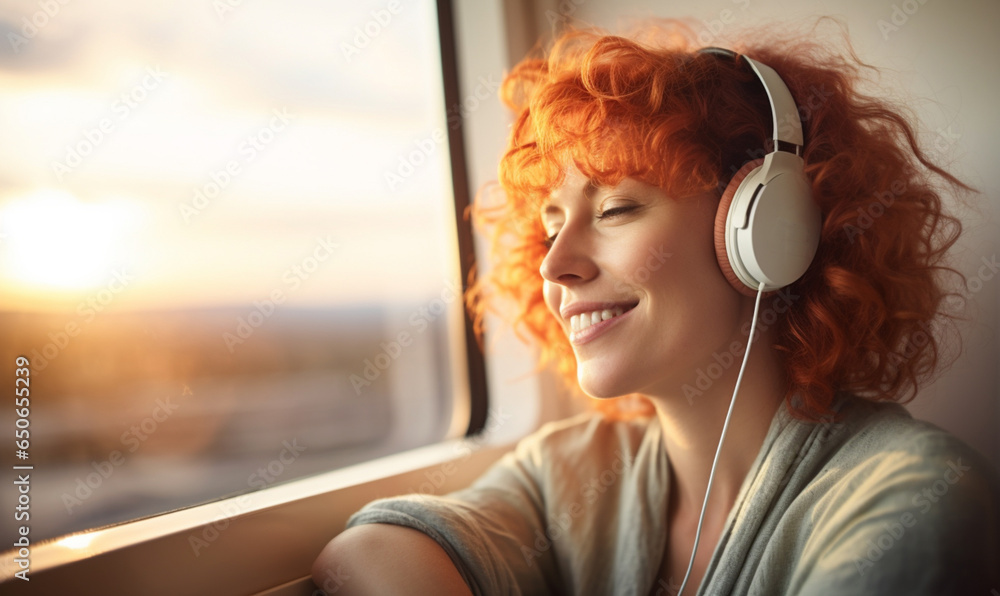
691 431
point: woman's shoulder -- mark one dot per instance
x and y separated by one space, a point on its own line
901 500
562 459
590 438
874 498
884 440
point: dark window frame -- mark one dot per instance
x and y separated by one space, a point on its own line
478 395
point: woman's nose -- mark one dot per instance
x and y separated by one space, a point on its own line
569 259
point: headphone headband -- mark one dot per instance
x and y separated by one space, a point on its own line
783 108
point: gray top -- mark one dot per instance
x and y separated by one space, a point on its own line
875 503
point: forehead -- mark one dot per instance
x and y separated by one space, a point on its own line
574 185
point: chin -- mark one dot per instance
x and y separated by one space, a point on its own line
601 388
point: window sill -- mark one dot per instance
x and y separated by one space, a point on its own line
258 542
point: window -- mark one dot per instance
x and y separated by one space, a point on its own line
228 246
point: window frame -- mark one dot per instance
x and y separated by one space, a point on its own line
478 393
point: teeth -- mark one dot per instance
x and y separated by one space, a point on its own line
581 321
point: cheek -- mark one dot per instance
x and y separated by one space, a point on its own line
638 258
552 293
682 269
654 259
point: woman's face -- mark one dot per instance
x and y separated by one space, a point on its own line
645 264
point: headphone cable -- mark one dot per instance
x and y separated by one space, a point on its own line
725 426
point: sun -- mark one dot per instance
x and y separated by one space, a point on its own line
51 240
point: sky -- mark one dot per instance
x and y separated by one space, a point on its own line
212 152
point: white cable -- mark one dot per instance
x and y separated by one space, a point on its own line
725 426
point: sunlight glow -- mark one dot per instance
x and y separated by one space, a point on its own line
77 541
53 240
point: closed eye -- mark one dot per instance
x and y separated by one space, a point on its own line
606 214
615 211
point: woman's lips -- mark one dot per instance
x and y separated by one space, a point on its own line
597 329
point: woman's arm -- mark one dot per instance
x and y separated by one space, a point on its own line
386 559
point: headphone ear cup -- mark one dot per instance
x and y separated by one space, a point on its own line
721 254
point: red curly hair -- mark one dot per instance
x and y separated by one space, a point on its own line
657 111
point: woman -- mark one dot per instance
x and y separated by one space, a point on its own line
622 177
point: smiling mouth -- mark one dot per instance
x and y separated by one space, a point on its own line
582 321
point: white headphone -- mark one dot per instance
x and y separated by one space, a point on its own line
766 229
767 226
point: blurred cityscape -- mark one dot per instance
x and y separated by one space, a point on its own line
146 412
